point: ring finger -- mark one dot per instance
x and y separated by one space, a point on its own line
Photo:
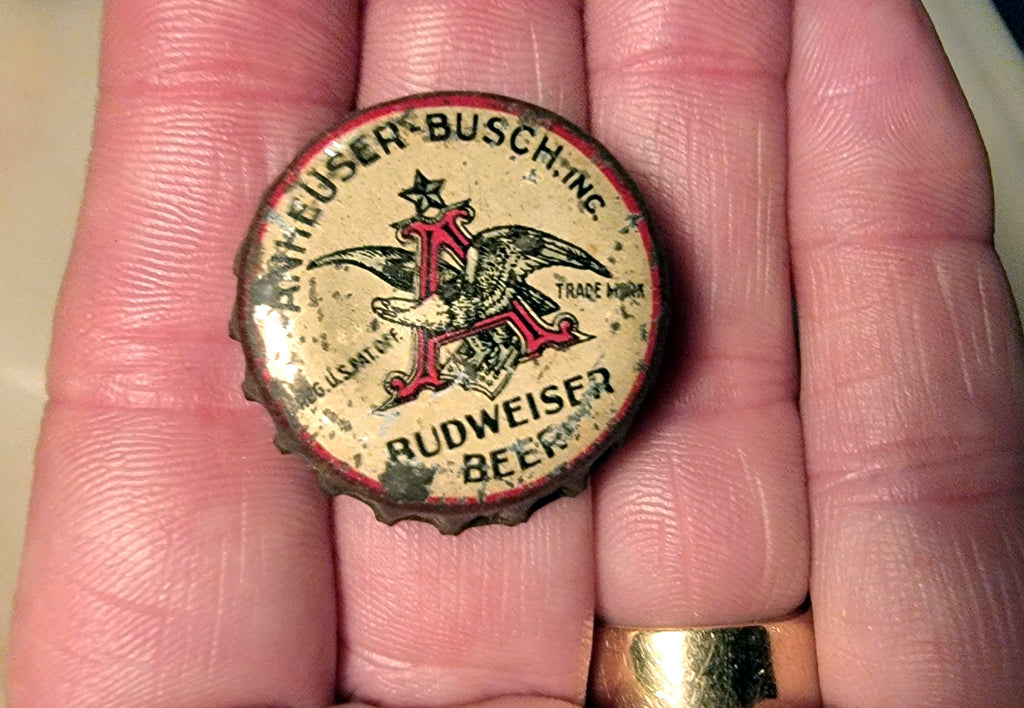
701 519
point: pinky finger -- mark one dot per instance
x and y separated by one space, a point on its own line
912 391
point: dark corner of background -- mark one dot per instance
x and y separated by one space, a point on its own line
1013 14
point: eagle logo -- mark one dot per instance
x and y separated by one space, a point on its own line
469 289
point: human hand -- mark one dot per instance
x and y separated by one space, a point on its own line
173 557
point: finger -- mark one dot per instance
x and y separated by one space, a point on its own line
913 390
701 517
430 620
172 555
524 49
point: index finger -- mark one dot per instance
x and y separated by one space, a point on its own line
172 555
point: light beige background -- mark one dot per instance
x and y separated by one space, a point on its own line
48 53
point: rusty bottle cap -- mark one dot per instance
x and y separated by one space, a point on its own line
450 306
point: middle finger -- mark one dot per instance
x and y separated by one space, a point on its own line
430 620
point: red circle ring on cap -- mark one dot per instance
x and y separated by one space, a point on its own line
449 512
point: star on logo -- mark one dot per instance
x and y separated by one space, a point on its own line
424 193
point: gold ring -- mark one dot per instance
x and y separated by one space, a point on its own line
735 666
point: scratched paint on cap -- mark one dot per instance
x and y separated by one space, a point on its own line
450 306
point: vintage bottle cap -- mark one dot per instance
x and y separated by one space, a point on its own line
450 306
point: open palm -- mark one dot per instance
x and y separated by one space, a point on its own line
816 152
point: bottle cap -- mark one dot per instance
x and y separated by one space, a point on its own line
450 305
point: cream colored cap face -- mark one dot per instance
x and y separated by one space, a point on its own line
451 300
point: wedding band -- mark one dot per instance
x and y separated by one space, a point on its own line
737 666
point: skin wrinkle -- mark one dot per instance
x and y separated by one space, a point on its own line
911 357
160 315
760 286
141 379
680 573
969 563
179 45
1001 347
701 37
874 298
427 680
110 603
690 63
698 156
937 610
479 59
879 175
966 350
982 284
762 557
538 76
919 478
